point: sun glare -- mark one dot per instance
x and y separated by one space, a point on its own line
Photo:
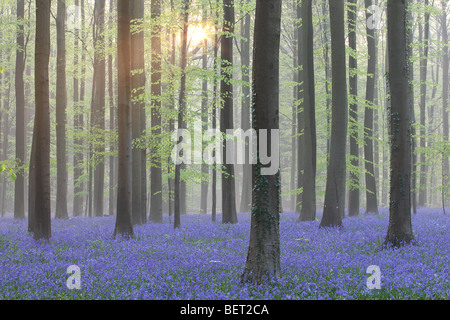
197 34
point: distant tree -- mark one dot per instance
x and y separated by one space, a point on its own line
400 228
138 105
371 189
246 195
40 161
156 172
445 65
19 190
61 101
124 226
263 257
353 192
180 198
334 205
98 107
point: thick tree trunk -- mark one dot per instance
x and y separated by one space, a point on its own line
334 207
263 257
124 226
353 193
371 190
308 212
40 179
400 228
19 188
156 173
61 99
226 115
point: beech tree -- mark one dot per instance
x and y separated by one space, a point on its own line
40 159
334 205
400 228
263 257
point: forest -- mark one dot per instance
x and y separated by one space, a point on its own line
224 150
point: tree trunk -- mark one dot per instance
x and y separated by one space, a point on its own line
263 257
19 188
137 98
371 189
353 193
445 64
300 113
214 123
124 226
40 179
112 120
334 207
399 229
61 100
422 198
156 173
308 212
78 120
246 196
226 114
179 195
294 109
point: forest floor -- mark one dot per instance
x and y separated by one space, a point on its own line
204 260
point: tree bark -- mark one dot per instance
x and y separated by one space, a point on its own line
445 64
156 173
40 179
246 196
124 226
308 212
137 98
400 228
353 193
334 206
19 187
98 108
226 115
371 189
61 100
263 257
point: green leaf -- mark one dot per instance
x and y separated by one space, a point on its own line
1 70
2 168
13 176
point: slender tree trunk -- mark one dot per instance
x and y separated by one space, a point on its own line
156 173
124 225
263 257
19 188
422 198
400 228
137 98
40 166
226 114
294 108
214 124
246 196
61 100
353 193
308 212
445 64
371 189
300 113
179 196
112 120
78 119
334 207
